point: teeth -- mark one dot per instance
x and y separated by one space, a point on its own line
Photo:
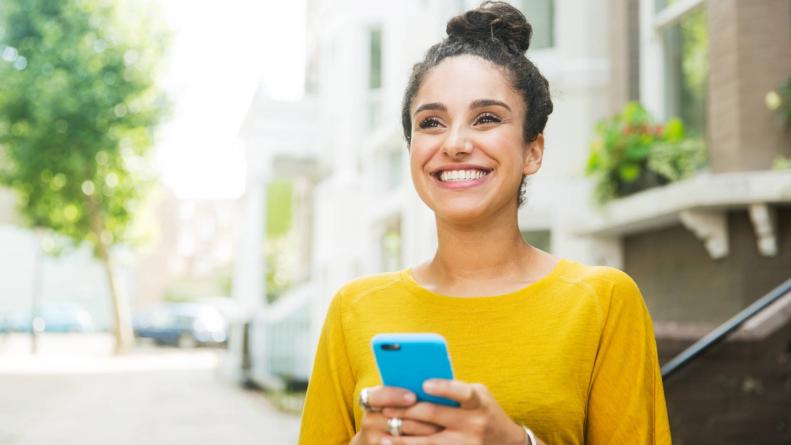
461 175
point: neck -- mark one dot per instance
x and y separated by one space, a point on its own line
480 251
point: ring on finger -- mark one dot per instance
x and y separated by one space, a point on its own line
365 404
394 426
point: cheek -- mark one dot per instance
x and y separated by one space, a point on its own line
419 156
505 148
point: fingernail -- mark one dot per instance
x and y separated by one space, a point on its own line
429 385
409 397
386 441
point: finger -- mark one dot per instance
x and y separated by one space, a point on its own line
372 437
431 413
444 437
382 396
377 422
468 395
411 427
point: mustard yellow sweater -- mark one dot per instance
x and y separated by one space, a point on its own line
572 356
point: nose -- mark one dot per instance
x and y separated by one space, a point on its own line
457 143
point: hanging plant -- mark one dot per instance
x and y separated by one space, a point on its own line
631 152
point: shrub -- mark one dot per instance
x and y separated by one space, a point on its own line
631 152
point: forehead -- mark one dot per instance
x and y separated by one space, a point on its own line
458 81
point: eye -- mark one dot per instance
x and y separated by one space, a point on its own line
487 118
429 122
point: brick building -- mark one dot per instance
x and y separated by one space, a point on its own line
705 248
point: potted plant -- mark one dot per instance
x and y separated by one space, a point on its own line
631 152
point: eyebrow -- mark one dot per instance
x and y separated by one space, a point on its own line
480 103
430 106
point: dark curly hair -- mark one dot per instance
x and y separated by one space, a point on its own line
499 33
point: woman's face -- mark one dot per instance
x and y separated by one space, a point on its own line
468 154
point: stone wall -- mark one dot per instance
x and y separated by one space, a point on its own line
681 283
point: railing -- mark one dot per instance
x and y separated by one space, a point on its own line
288 352
279 340
721 332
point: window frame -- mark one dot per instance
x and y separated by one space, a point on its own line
652 50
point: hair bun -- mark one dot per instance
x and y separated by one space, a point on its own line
493 20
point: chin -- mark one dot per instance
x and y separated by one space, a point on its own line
460 213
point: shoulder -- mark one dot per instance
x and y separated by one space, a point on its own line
608 284
367 287
599 278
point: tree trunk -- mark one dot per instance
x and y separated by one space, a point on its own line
124 337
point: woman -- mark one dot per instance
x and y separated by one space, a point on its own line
544 350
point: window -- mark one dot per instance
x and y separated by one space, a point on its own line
686 70
387 168
374 77
390 245
541 15
394 168
375 59
674 61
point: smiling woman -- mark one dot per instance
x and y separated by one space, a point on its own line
544 349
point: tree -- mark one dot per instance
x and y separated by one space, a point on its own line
78 107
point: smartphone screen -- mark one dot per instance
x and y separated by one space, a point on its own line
407 360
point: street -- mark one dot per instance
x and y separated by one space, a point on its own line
152 396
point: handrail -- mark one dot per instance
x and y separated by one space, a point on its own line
722 331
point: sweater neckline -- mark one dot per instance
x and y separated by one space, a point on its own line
408 281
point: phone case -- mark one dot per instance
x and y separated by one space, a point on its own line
407 360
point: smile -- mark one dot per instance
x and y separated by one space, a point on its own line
461 175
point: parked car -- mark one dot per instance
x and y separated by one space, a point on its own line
183 325
57 318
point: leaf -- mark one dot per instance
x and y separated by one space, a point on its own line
629 172
674 130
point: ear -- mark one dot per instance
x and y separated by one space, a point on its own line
533 155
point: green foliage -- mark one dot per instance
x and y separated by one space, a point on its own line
280 248
78 106
782 163
779 101
279 204
279 254
631 152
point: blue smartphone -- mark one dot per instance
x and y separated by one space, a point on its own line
407 360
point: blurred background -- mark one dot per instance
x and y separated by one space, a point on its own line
185 185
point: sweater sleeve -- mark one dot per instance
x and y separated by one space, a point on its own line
626 401
327 416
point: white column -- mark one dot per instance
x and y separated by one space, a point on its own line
248 280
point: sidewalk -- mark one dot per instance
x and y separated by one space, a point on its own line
76 392
93 353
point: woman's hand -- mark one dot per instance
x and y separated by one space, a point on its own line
479 420
374 424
